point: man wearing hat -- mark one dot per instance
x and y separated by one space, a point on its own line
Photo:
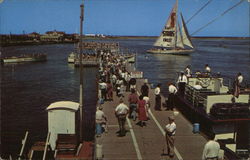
121 112
171 96
158 98
170 136
182 81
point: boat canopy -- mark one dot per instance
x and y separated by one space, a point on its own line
66 105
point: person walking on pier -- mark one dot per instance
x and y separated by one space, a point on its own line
211 150
144 88
132 99
147 106
142 116
170 136
100 120
132 83
158 98
109 91
171 96
103 87
121 112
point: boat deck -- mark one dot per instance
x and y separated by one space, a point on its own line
148 142
88 62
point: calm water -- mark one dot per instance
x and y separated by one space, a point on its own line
27 89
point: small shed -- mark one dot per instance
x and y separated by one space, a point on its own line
62 118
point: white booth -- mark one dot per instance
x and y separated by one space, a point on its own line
62 117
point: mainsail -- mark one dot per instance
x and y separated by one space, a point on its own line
179 38
167 37
185 35
171 36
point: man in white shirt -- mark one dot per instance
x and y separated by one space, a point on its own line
114 79
211 150
182 81
121 112
239 78
170 130
100 120
103 87
207 69
188 71
171 96
158 98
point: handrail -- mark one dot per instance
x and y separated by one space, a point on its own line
23 145
46 146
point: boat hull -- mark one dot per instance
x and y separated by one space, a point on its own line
173 52
208 124
36 58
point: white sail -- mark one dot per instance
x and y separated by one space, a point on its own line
168 35
179 39
185 35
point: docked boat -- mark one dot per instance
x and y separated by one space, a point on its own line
25 58
172 40
72 57
130 58
218 109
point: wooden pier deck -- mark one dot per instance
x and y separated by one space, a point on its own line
147 143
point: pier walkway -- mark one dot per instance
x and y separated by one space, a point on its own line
147 143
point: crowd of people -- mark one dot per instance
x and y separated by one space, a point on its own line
114 77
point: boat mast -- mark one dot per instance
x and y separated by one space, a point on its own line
176 21
81 73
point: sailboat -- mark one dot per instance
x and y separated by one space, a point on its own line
172 40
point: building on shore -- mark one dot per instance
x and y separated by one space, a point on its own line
54 36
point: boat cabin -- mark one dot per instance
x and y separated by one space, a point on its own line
209 91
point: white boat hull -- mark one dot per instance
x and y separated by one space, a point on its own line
71 57
32 58
173 51
71 60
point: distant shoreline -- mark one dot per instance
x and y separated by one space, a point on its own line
19 43
154 37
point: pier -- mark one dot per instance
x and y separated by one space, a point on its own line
148 142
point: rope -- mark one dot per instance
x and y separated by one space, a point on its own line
218 17
198 11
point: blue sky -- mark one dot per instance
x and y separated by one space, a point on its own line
121 17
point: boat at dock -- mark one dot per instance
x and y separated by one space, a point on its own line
87 60
172 40
218 110
92 60
25 58
130 58
72 57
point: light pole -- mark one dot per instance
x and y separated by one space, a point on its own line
81 74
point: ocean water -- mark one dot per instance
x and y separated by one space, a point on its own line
27 89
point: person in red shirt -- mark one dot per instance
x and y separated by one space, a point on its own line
142 116
132 99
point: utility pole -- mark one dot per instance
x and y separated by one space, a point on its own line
81 74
